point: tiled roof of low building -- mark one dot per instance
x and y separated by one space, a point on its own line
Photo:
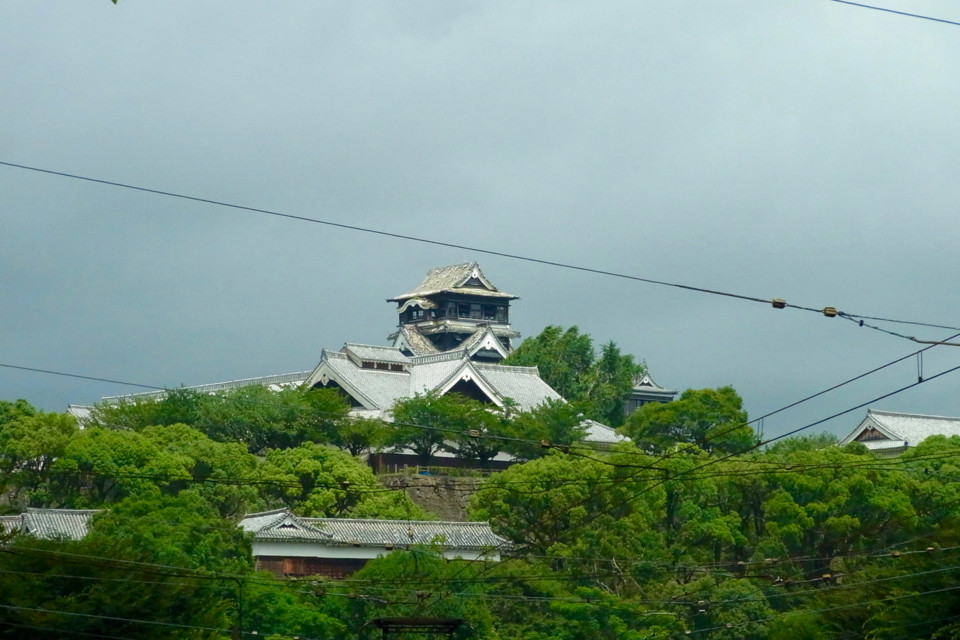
884 445
51 524
80 412
601 433
648 384
281 525
10 524
430 375
379 533
910 428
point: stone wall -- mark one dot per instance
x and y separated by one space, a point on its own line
446 497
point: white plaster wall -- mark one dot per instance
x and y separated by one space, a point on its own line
317 550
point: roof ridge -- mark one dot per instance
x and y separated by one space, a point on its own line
407 522
441 356
910 415
63 511
266 513
371 346
211 387
534 370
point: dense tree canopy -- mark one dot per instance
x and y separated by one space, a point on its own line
568 362
711 419
254 416
648 540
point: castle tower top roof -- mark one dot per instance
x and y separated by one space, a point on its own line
465 278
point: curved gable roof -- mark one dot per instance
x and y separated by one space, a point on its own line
455 278
281 525
901 429
378 389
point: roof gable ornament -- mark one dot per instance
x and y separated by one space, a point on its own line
891 433
423 303
468 374
282 524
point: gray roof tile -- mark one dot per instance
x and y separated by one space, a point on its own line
375 352
601 433
451 279
56 524
523 384
379 389
910 428
281 524
379 533
417 342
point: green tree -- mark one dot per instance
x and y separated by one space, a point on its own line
278 612
30 443
436 587
555 422
711 419
224 473
99 466
564 357
428 423
356 435
12 410
147 570
319 481
254 415
565 496
804 443
568 362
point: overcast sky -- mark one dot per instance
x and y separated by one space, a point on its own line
807 150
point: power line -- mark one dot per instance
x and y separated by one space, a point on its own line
669 478
34 627
82 377
900 13
683 448
776 303
566 449
114 618
834 608
832 388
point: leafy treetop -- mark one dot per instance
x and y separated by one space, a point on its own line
568 362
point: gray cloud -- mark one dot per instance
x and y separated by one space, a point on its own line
804 151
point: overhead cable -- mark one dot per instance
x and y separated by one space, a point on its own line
900 13
777 303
